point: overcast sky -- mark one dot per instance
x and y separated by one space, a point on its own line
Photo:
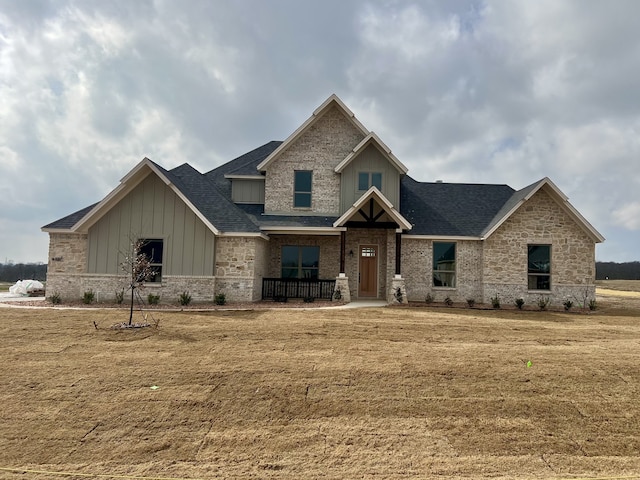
461 91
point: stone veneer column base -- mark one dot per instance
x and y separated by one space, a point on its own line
397 283
342 284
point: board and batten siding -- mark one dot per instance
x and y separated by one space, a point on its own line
369 160
152 210
247 190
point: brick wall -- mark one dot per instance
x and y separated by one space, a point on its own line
320 148
417 264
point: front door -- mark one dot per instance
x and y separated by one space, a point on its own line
368 284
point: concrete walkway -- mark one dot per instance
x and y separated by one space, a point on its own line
365 304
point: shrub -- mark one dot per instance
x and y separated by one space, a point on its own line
153 299
120 296
308 299
592 304
184 298
495 301
567 304
429 298
55 298
471 302
220 299
88 297
519 303
448 302
398 295
337 295
543 302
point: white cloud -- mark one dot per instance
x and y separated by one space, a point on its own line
628 216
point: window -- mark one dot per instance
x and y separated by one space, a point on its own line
300 262
152 249
367 180
302 189
444 264
539 267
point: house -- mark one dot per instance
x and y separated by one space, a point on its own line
329 212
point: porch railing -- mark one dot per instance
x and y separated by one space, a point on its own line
283 288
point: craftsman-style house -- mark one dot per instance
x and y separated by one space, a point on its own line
329 212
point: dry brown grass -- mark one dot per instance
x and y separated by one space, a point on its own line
370 393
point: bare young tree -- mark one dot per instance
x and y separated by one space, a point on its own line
137 267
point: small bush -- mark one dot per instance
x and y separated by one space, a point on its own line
184 298
153 299
88 297
543 302
220 299
120 296
448 302
471 302
55 298
308 299
567 304
429 298
398 295
495 301
592 304
519 303
337 295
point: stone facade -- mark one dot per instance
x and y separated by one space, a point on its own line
540 220
239 270
320 148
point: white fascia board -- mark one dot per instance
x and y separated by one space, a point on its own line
317 113
127 183
244 234
245 177
387 206
57 230
439 237
303 230
563 202
369 139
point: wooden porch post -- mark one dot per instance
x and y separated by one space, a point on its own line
398 251
343 243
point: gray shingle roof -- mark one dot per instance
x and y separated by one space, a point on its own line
70 220
451 209
446 209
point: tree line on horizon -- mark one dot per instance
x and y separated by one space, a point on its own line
12 272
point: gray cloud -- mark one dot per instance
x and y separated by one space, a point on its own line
501 92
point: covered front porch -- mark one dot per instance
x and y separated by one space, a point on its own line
360 255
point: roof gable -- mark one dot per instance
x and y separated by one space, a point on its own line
520 197
373 195
372 139
332 101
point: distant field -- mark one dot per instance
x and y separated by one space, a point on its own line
624 285
4 286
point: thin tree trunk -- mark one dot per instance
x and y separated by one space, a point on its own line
131 309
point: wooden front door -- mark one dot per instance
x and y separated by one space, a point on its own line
368 284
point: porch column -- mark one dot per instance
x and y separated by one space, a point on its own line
343 243
398 251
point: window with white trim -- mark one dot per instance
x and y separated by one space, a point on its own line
366 180
444 264
152 249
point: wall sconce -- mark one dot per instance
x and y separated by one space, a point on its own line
351 253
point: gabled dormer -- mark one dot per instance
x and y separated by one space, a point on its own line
369 164
300 176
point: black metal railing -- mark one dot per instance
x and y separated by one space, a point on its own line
283 288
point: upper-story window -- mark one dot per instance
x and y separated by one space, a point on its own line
302 189
367 180
539 267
